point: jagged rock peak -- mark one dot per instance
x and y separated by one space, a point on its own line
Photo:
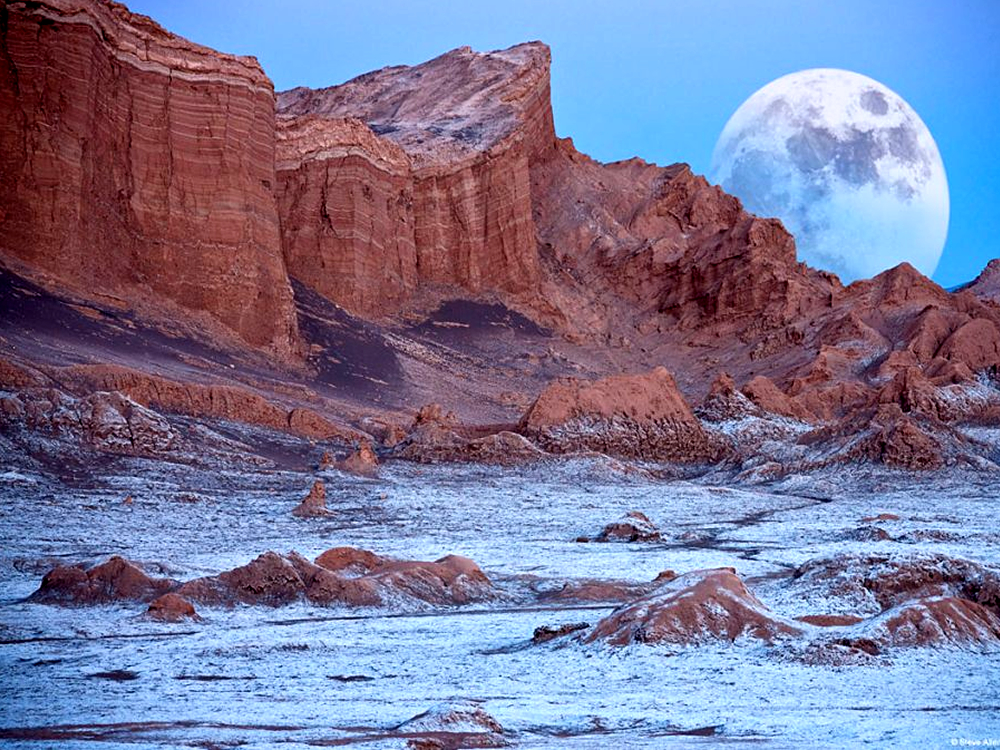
458 104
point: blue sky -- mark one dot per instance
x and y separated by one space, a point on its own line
660 79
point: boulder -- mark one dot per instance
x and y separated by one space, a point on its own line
171 608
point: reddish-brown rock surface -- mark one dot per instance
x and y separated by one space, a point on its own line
187 192
313 504
362 461
696 607
987 284
141 166
171 608
634 526
639 416
415 176
936 622
345 576
117 579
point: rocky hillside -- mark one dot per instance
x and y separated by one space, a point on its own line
325 262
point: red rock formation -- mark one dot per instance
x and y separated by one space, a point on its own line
411 184
140 166
362 461
639 416
414 176
344 576
223 401
117 579
632 527
451 727
873 583
313 504
107 422
987 284
701 606
171 608
935 622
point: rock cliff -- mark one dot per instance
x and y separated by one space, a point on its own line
140 166
415 176
419 234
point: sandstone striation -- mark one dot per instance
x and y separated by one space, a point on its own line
414 176
169 181
140 166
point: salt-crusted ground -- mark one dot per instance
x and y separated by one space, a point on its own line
300 675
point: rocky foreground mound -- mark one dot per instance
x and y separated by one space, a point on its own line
342 575
875 605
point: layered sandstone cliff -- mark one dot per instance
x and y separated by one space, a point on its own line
140 166
415 176
168 177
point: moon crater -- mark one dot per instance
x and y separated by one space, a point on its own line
846 164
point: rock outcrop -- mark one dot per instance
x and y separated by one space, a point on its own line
936 622
362 461
314 504
867 585
117 579
343 576
634 526
414 176
634 416
452 726
987 284
171 608
104 421
697 607
171 183
140 166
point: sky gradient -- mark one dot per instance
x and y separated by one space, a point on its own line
659 80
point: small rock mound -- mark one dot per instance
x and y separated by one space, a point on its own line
314 504
871 584
937 621
117 579
361 462
450 580
171 608
632 527
449 727
546 633
342 575
697 607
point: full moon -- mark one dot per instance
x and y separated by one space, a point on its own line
846 164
